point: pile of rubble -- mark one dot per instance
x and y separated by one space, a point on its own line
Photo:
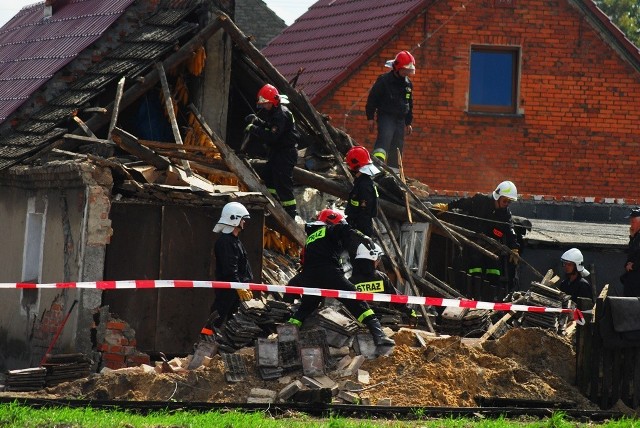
524 364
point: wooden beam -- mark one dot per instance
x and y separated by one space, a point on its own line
173 146
129 143
116 105
168 104
246 174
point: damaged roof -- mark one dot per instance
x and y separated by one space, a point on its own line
333 38
33 49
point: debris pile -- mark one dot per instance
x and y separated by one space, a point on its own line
524 364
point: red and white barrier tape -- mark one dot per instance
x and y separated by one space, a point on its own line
323 292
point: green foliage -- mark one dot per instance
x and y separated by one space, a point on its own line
625 14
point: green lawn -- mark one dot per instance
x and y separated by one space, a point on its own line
15 415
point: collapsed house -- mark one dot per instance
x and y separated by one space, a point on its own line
118 166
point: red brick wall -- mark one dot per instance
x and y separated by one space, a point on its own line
580 100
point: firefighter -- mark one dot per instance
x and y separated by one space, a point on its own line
575 283
326 239
631 277
367 278
391 96
490 215
232 265
362 206
275 126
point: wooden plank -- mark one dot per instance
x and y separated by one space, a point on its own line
129 143
85 140
168 104
627 374
174 146
116 104
246 174
406 195
84 127
497 326
607 379
616 375
635 400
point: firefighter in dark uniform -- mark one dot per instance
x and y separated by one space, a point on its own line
362 206
575 283
391 96
631 277
326 239
232 265
275 127
367 278
490 215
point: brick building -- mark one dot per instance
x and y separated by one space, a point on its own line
543 93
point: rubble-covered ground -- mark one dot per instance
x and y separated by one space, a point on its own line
525 363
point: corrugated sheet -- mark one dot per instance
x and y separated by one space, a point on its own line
32 47
334 37
33 50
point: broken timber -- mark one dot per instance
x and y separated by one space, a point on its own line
248 177
299 100
130 144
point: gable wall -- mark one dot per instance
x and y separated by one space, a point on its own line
580 103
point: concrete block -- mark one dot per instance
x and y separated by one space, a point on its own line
260 400
310 382
349 397
338 352
343 363
288 391
264 393
312 361
363 377
325 382
365 346
384 402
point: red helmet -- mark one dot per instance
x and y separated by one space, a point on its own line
268 94
404 60
357 157
330 216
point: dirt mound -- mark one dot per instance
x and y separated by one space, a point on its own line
527 364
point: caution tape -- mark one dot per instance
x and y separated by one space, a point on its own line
322 292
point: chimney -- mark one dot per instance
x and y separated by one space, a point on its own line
51 6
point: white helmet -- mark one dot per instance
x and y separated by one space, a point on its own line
506 189
364 253
574 255
232 214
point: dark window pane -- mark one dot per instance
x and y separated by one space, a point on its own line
493 79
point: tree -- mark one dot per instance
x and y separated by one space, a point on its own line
625 14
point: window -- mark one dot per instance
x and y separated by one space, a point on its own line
414 238
34 240
493 82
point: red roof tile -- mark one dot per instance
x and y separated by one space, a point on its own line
334 37
33 49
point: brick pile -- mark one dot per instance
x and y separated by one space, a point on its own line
118 346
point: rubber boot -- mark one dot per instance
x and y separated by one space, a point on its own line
379 338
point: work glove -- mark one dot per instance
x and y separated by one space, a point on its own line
251 118
514 256
440 206
413 319
244 295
